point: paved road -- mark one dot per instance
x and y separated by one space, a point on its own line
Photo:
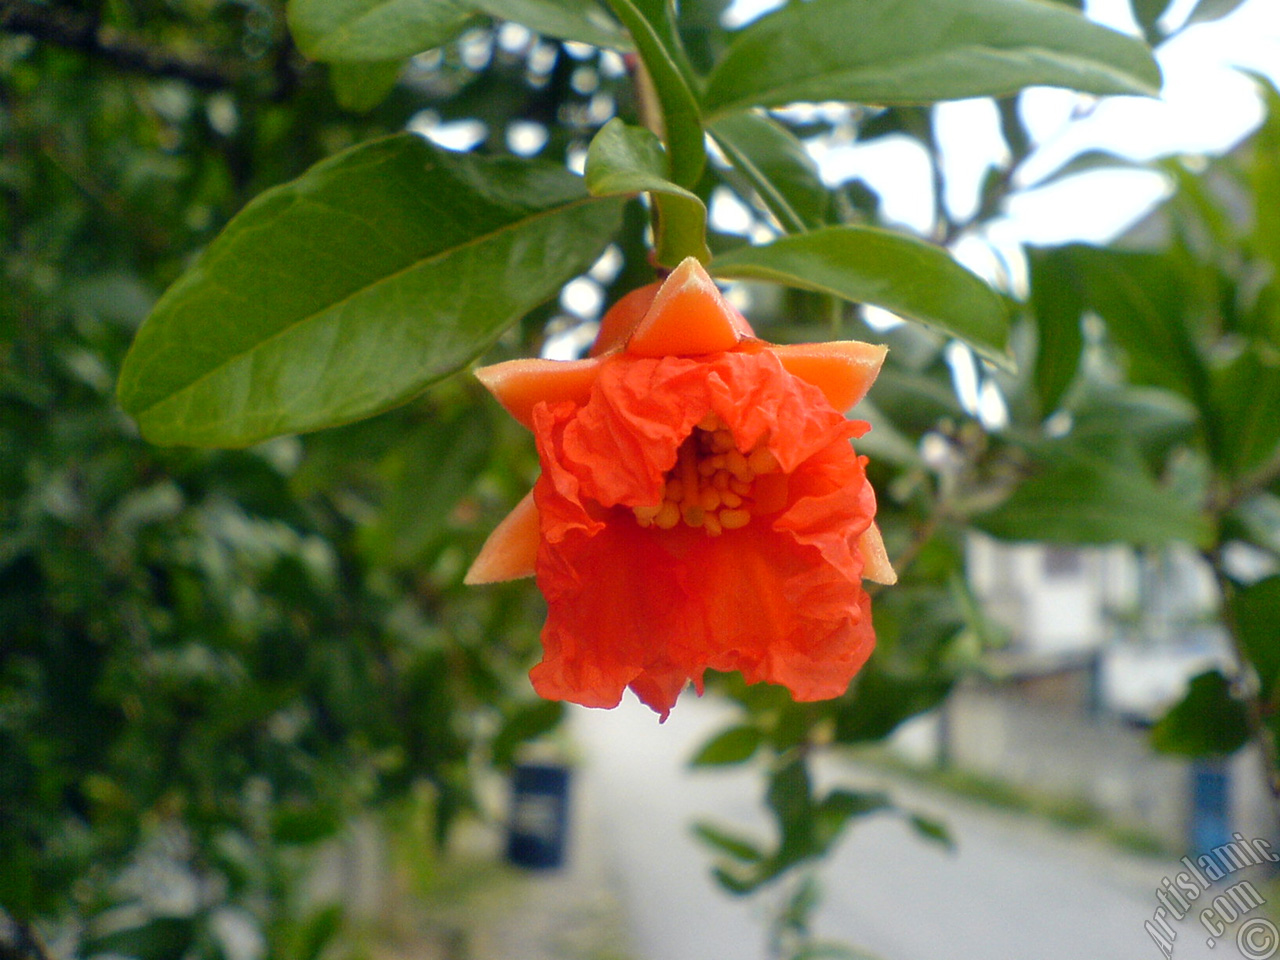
1013 890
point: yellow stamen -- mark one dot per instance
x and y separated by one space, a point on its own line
714 485
737 465
668 516
762 461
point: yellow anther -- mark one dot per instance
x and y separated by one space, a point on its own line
737 465
762 461
645 515
668 516
714 485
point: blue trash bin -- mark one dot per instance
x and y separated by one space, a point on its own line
538 830
1210 820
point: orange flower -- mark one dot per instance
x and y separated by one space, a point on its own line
700 505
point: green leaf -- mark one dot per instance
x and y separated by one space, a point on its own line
159 938
1151 417
731 844
654 38
1147 12
349 290
530 721
1264 175
920 51
427 474
1058 306
1256 612
359 87
881 700
894 271
1246 402
735 745
1101 493
1208 10
777 166
625 160
932 829
580 20
1142 297
837 808
1209 722
375 30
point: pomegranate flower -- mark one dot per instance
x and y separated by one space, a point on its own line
700 505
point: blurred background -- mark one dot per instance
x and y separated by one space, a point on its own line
248 709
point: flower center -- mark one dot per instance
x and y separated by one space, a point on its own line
716 486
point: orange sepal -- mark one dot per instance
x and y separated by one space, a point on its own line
689 317
875 558
511 549
622 318
843 369
519 384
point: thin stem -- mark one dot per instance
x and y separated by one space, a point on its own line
1255 716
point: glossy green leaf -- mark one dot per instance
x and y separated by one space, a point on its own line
734 745
1058 307
1256 612
891 270
351 289
777 166
1151 417
581 20
920 51
681 116
337 31
1100 493
1142 297
361 86
1208 722
1246 403
625 160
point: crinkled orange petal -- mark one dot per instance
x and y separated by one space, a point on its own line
688 317
875 558
843 370
779 600
620 319
511 550
519 384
